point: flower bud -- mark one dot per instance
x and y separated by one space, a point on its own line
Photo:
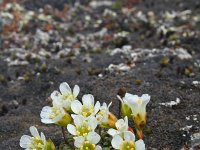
111 120
126 111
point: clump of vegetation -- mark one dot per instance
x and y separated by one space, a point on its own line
164 62
90 125
117 5
2 78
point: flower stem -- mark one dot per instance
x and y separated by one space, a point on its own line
140 133
119 113
99 130
65 138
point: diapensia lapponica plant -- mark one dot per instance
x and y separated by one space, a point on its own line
88 125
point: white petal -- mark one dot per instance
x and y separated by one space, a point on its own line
45 112
109 105
121 100
79 141
78 120
92 121
34 131
145 99
129 136
140 145
98 147
55 96
47 121
76 106
97 107
64 88
112 132
132 101
104 104
76 90
66 104
25 140
120 124
71 129
88 100
116 141
73 116
43 137
93 137
126 122
57 103
130 98
58 118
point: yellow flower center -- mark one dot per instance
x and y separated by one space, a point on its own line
55 112
37 143
87 110
127 145
121 125
83 130
104 114
68 97
139 101
88 146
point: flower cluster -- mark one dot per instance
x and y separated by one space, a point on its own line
134 107
90 123
37 142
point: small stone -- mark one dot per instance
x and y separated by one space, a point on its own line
14 104
195 140
196 83
182 54
172 103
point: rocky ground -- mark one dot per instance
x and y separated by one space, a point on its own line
106 47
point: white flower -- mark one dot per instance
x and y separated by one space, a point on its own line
137 104
102 115
121 126
82 126
126 141
105 117
66 96
87 108
55 114
138 107
89 142
33 143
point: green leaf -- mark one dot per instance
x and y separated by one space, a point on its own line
106 148
63 146
49 145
